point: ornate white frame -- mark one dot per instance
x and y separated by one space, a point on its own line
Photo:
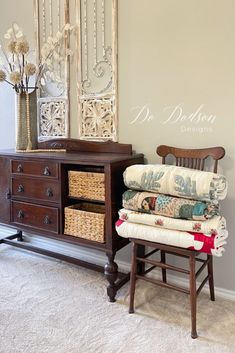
98 111
60 120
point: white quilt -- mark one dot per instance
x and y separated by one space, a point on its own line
176 181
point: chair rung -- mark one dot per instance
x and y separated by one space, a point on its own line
151 253
163 284
162 265
202 267
149 270
202 284
200 260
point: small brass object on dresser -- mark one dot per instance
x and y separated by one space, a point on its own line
20 188
47 171
20 214
19 168
49 192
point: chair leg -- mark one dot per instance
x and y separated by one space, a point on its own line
133 277
211 277
140 265
163 260
193 296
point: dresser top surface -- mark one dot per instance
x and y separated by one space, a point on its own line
71 157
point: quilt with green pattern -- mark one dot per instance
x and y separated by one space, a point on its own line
169 206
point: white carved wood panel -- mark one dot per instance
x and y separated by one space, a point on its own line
52 117
53 95
97 69
98 117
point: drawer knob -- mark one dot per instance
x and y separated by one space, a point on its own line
19 168
20 214
49 192
47 220
20 188
47 171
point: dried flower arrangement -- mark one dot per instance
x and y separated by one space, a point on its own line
15 67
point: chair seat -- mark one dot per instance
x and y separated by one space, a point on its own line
170 249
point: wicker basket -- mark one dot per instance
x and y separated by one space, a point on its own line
86 185
86 221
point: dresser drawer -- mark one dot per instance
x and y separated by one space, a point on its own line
36 189
35 168
41 217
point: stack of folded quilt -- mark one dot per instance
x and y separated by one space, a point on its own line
175 206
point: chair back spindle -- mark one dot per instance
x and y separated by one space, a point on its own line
193 158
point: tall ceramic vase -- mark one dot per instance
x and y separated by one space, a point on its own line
26 125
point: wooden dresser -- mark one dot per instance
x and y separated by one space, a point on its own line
34 193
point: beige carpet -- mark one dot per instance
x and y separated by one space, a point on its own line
50 306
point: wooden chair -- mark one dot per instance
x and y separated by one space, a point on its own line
195 159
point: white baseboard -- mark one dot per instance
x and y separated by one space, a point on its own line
99 258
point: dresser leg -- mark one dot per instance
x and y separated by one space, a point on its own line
20 236
111 274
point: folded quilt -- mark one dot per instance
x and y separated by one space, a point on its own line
169 206
210 226
176 181
206 243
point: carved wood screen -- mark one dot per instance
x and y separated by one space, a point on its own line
97 69
53 96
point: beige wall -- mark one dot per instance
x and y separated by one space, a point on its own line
171 53
181 52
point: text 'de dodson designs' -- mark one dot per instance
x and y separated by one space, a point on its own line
196 121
